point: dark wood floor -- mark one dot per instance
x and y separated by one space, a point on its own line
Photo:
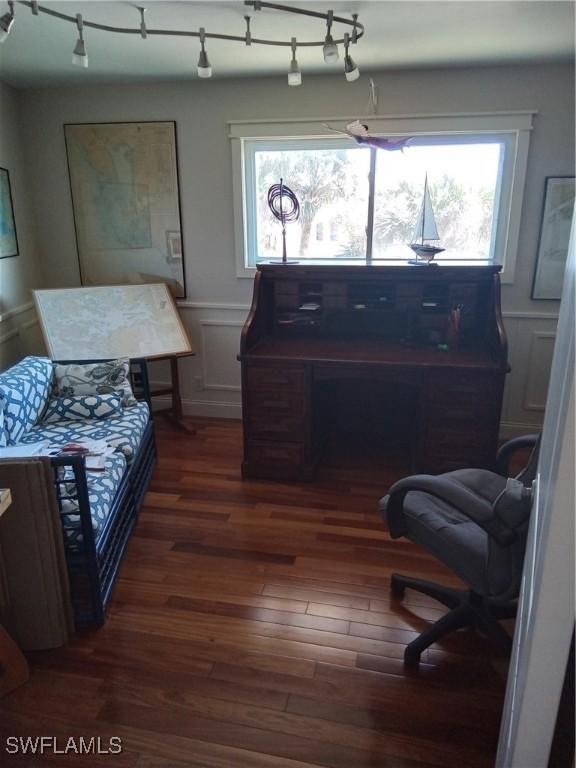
252 627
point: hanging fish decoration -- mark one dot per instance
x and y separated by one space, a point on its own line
361 134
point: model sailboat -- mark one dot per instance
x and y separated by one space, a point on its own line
424 230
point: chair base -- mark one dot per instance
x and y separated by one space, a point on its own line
467 609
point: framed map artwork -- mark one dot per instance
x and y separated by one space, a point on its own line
8 239
111 321
125 198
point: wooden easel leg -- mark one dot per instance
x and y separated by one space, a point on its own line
175 414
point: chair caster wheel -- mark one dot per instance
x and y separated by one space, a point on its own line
396 587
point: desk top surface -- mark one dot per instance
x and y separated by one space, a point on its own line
359 351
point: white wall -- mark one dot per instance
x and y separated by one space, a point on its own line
217 299
18 275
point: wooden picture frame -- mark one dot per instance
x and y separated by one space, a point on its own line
556 222
125 198
8 236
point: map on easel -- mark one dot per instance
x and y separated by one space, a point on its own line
111 321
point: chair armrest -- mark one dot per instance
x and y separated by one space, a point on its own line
459 497
504 455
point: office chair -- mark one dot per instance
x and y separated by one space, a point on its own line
476 523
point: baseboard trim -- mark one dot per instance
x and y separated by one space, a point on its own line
209 409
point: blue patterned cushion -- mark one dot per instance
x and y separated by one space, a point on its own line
25 389
102 487
123 431
101 378
82 407
3 435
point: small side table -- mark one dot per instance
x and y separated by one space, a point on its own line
14 670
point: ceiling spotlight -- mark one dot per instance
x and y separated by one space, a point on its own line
79 56
7 22
204 68
351 71
294 74
329 49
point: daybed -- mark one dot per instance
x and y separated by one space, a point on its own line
42 401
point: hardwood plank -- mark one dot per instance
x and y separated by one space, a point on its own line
173 722
403 619
236 554
257 614
316 596
158 593
391 720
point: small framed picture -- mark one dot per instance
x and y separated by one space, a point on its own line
8 239
174 245
559 193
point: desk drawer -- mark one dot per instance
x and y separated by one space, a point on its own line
460 415
280 380
291 454
462 388
273 404
284 427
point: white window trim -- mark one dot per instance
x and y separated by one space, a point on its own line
515 125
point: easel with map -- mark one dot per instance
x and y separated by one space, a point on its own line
117 321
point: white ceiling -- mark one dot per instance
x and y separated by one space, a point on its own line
399 34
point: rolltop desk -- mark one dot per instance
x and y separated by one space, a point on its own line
386 327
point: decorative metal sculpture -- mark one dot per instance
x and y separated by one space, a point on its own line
285 207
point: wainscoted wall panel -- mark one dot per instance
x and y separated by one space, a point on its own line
20 335
539 364
531 339
211 379
219 347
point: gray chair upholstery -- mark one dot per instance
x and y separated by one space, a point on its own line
475 522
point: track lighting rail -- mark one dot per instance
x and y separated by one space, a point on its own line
354 23
329 44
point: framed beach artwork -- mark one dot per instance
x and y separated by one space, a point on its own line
559 194
8 238
125 199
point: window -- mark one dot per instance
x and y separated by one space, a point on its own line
464 180
362 204
330 179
